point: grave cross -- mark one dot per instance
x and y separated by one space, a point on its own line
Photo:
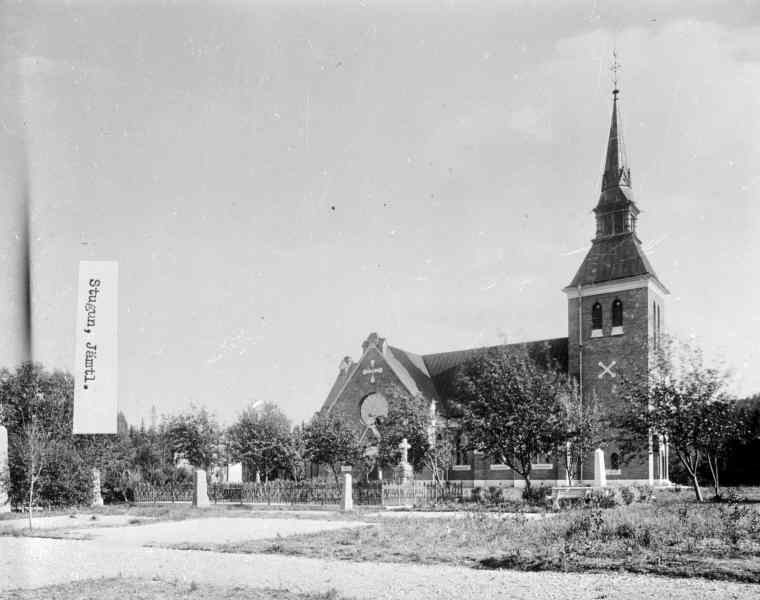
404 447
371 371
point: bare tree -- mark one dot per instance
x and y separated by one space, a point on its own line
439 456
579 432
36 446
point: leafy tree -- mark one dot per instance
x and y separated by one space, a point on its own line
742 467
37 409
261 439
680 398
193 435
114 456
512 406
408 417
327 442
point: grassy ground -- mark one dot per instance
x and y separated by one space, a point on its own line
143 589
672 536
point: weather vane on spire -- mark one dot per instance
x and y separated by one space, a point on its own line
615 67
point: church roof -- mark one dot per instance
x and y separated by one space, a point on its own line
445 361
433 375
343 376
413 365
614 257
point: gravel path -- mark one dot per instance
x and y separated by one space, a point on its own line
35 562
220 530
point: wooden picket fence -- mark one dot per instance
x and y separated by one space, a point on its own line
180 492
277 492
420 492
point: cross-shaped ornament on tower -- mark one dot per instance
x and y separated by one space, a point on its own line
404 447
607 369
371 371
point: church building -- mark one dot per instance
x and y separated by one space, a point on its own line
616 310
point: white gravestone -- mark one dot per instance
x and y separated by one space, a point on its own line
348 500
600 475
97 497
200 490
5 504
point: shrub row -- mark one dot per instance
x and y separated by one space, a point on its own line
541 496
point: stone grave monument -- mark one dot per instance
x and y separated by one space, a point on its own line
200 489
600 474
404 471
348 499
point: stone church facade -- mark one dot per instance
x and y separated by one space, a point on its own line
616 311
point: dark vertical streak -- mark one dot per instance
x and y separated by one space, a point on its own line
27 353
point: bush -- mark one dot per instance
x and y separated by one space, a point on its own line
587 524
630 494
495 495
625 531
645 493
738 522
604 498
535 496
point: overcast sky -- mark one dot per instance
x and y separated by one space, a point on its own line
279 180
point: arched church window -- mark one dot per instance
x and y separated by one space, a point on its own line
596 319
615 461
617 317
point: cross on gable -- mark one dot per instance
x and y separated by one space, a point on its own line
607 369
371 371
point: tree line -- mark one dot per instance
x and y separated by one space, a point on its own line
512 405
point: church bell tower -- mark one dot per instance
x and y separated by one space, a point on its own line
616 309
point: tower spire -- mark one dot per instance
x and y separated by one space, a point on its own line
616 170
615 252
